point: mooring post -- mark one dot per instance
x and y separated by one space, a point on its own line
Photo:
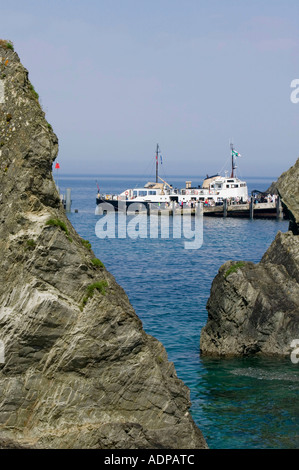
199 208
173 207
224 207
68 201
279 212
251 207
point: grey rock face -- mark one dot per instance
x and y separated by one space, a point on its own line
78 369
254 308
288 188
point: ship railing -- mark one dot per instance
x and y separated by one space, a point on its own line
113 197
192 192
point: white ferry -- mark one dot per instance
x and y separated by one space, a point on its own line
212 192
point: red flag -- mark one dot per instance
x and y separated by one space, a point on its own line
57 165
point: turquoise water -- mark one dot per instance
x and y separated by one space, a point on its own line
241 403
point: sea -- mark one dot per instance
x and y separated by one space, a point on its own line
245 403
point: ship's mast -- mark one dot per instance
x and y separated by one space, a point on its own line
157 162
233 161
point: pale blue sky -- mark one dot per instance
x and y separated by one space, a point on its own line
116 77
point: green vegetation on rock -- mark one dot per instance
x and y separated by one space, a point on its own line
86 243
58 223
6 44
97 262
30 244
100 286
234 268
34 93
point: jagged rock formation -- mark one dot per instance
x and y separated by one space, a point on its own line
78 370
254 308
287 186
288 189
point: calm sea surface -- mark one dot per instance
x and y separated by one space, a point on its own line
240 403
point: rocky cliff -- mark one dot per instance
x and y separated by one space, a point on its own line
77 369
288 189
254 308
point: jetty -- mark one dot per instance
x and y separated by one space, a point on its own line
250 210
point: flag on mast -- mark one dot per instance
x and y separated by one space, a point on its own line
236 154
57 166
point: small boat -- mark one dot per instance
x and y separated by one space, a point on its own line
213 191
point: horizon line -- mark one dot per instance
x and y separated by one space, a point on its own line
146 176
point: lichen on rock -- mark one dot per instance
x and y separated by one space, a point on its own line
79 370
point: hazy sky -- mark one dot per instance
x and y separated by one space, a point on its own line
116 77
